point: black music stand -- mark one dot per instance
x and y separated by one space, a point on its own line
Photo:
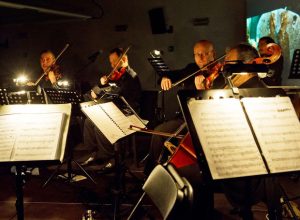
3 97
160 68
61 96
57 146
295 66
185 96
119 112
9 97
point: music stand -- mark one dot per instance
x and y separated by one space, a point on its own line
160 68
22 153
3 97
295 66
187 97
116 118
59 96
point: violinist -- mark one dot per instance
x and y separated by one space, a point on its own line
204 53
243 193
98 147
52 71
124 77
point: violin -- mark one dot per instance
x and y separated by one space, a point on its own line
274 53
116 75
211 75
56 70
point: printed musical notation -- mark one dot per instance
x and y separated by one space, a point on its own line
226 138
277 129
29 137
229 143
111 121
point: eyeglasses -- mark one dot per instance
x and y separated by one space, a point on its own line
202 54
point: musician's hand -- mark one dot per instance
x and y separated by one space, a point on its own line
93 94
199 82
52 77
165 83
30 84
103 80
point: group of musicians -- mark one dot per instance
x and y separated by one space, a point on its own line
240 192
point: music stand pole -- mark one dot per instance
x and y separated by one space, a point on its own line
19 193
118 180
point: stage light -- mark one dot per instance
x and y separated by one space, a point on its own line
63 83
156 53
21 80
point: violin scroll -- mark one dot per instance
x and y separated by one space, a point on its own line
274 53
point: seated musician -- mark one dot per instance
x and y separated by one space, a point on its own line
204 53
243 193
276 68
50 69
130 88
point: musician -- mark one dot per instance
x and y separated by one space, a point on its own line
50 69
126 79
204 53
276 68
130 88
243 193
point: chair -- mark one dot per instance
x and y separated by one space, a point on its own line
166 188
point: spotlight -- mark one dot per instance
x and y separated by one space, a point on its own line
63 83
21 80
156 53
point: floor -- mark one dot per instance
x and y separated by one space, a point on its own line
65 200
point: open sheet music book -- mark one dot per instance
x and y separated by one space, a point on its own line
33 132
247 137
112 120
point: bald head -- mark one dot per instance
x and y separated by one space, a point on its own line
204 52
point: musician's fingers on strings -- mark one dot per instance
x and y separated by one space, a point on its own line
199 82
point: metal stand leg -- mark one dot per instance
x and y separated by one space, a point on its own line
287 202
19 193
69 172
118 180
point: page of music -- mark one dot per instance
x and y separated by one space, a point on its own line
30 137
111 121
277 128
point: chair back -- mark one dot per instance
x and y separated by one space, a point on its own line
166 187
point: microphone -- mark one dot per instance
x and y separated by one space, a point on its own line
94 56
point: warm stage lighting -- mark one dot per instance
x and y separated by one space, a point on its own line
156 53
21 80
63 83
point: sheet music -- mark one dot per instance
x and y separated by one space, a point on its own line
111 121
226 138
277 128
29 137
104 123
